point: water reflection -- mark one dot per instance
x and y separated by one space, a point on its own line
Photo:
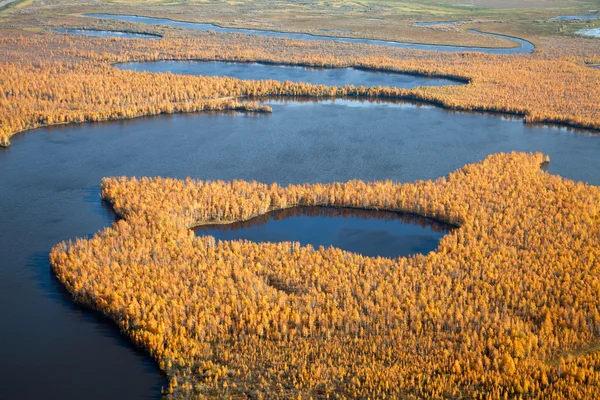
367 232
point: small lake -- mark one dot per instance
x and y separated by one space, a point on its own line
370 233
595 32
321 76
523 46
106 34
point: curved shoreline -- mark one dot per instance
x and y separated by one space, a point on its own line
524 46
192 117
454 78
408 98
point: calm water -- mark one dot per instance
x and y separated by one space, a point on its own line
524 47
370 233
574 17
49 192
117 34
322 76
594 32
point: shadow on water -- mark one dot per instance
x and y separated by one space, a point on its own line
100 206
54 290
367 232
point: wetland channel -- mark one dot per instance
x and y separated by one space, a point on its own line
521 46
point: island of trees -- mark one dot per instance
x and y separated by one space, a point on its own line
506 307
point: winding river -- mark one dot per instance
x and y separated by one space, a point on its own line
49 192
522 46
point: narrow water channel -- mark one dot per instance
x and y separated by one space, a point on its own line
521 46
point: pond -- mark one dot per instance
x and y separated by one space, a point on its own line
370 233
49 192
594 32
521 46
321 76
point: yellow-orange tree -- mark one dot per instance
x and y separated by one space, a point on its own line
507 306
50 79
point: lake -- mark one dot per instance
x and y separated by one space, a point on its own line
52 348
320 76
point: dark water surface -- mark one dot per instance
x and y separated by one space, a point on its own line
116 34
370 233
321 76
524 47
49 192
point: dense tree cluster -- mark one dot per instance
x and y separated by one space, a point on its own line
55 93
506 307
54 78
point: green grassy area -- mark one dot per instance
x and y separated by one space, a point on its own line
6 4
375 19
444 8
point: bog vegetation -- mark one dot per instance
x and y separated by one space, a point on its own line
506 307
54 78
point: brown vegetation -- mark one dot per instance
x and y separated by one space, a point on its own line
507 307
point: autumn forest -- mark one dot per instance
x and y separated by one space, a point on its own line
121 298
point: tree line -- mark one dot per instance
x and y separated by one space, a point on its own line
53 78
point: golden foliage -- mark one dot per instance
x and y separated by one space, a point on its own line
506 307
54 78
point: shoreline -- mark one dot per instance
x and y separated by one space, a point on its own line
591 129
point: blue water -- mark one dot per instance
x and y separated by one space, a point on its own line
574 17
595 32
370 233
321 76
